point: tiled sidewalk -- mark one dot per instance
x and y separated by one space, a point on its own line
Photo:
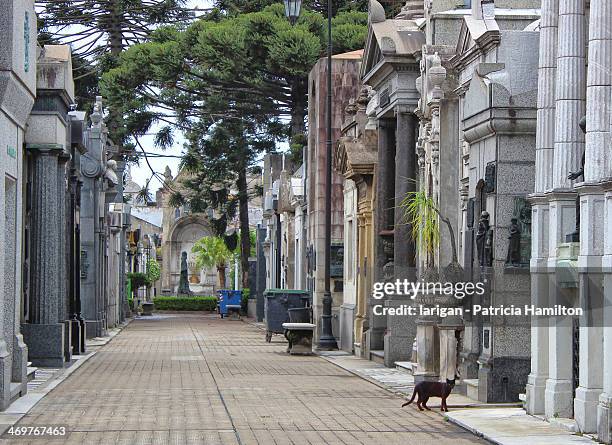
500 425
194 379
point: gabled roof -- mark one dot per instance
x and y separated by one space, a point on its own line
389 38
475 36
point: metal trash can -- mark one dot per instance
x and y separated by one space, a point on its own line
227 296
277 302
299 315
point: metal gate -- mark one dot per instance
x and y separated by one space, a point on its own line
575 354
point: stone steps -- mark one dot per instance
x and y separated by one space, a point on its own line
471 386
377 356
409 367
31 372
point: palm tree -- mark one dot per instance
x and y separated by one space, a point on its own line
211 251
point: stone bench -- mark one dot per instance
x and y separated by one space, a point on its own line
299 336
233 311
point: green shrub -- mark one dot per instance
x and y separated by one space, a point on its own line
138 279
185 303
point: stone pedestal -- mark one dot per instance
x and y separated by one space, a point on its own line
77 332
448 352
45 344
559 385
401 331
67 341
93 328
428 343
604 418
536 381
299 336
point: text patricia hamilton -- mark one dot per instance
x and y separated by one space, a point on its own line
476 309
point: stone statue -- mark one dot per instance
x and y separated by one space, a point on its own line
484 240
575 236
388 268
514 246
488 250
183 288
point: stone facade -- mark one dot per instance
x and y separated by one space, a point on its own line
345 84
391 68
46 207
458 101
356 158
570 363
17 94
180 231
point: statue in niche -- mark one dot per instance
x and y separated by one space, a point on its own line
484 240
575 236
514 246
388 269
183 288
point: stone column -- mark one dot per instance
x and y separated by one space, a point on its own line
64 298
536 381
599 81
547 72
384 202
405 182
545 144
559 385
401 331
570 91
604 409
570 88
362 290
599 89
590 291
44 335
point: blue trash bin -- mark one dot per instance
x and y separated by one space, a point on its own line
227 296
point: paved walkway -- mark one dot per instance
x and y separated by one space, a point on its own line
193 379
501 424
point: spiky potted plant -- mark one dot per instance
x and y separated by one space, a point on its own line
422 213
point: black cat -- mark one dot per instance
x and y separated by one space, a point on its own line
425 390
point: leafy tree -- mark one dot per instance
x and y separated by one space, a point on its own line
97 27
230 83
211 251
98 31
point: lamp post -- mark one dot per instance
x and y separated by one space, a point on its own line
327 341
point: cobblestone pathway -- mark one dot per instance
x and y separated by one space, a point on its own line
193 379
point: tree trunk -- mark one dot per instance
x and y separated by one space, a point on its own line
299 89
221 272
115 34
245 238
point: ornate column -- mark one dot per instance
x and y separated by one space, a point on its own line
44 335
570 91
545 144
360 307
599 87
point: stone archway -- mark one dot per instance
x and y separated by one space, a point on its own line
183 234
